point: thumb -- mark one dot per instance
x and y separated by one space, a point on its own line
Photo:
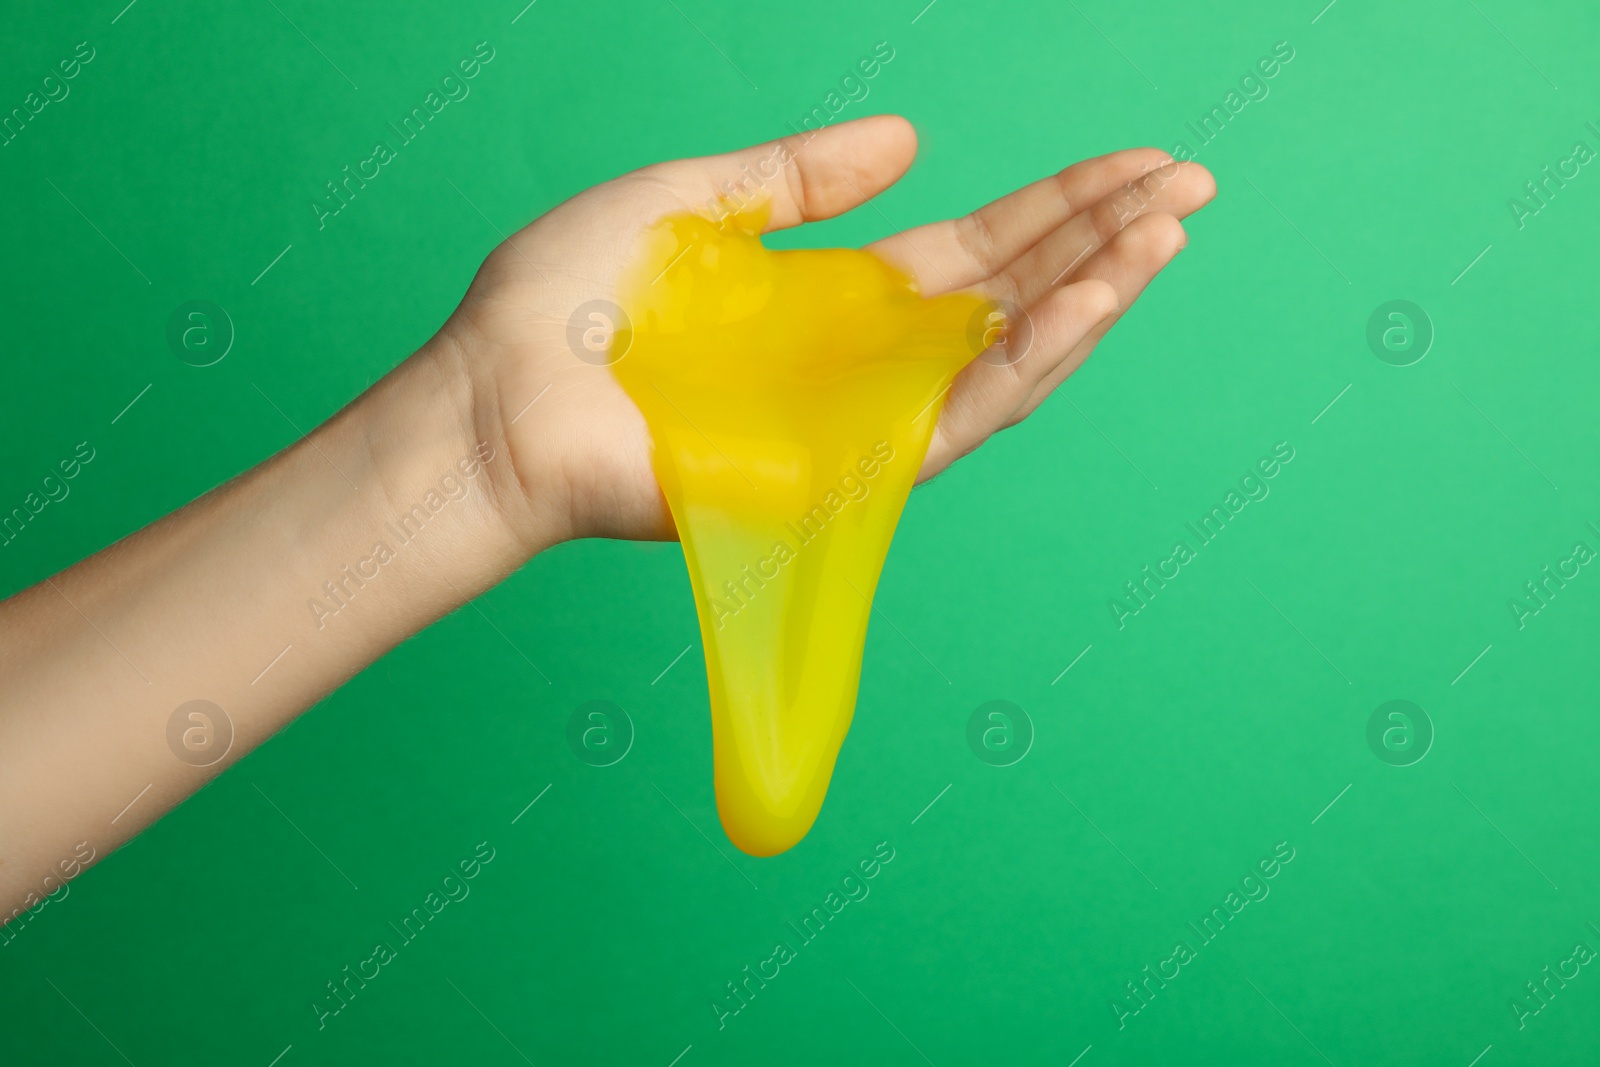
809 176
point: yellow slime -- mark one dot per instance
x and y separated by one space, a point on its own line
791 397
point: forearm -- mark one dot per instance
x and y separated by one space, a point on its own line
260 597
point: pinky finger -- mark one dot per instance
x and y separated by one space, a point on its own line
1129 262
988 392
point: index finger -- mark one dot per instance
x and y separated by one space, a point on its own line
958 253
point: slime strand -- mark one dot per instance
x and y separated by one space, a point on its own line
790 397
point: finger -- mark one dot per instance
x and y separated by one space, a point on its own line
1129 262
962 252
807 177
1177 190
985 394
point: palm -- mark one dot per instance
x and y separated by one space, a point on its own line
1074 250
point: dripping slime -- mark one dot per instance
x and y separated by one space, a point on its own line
790 397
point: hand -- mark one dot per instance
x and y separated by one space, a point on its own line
306 552
1075 250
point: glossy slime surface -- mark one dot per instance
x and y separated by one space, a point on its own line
791 397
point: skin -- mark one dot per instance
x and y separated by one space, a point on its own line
97 658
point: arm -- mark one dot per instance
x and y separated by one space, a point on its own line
100 659
492 443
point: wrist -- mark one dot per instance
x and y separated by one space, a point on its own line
507 398
440 461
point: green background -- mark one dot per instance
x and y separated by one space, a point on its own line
1175 753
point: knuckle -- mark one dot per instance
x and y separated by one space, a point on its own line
977 238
